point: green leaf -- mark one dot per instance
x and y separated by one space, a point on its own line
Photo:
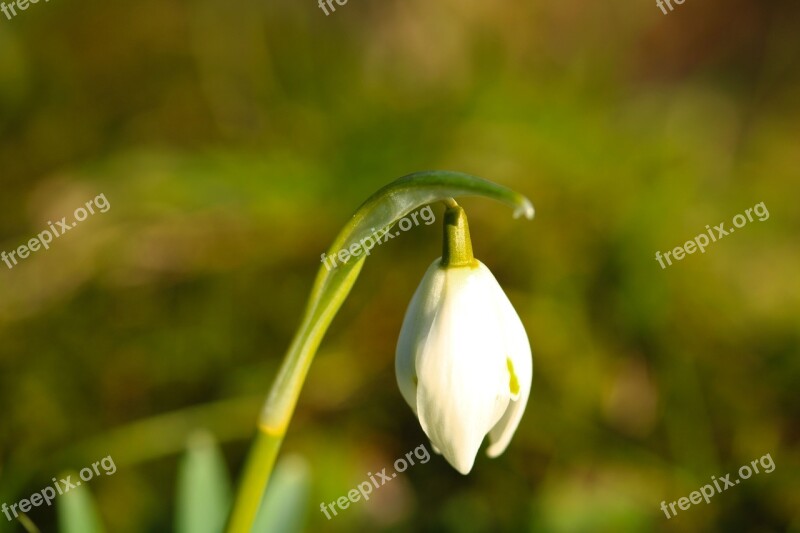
204 489
283 509
77 511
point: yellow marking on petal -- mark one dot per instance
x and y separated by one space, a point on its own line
513 383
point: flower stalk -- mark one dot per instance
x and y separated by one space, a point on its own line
381 210
457 246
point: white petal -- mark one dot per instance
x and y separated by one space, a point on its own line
520 367
463 380
415 330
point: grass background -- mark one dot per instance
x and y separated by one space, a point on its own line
233 140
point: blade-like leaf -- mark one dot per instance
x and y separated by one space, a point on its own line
204 488
77 511
283 509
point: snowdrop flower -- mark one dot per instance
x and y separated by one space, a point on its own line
463 359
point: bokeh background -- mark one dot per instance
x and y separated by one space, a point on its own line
233 140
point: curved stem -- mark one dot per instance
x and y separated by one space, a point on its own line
277 412
450 202
332 285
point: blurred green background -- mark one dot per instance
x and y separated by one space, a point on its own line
233 140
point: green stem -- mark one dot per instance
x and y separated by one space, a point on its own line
278 409
457 246
449 202
382 210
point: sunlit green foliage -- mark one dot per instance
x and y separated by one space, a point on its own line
234 140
